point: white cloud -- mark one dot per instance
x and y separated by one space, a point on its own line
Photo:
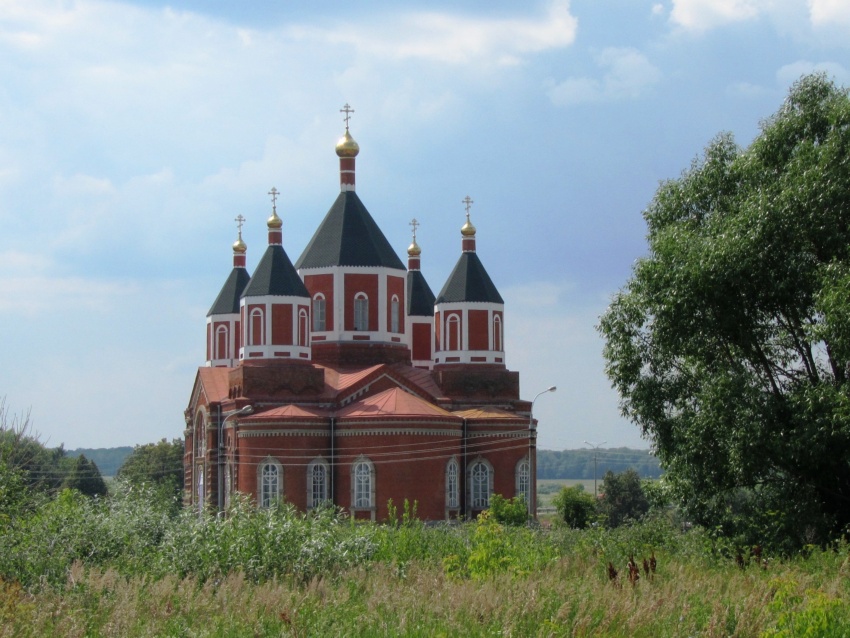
813 20
790 73
629 74
829 13
700 15
455 39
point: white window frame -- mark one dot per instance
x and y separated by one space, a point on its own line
480 481
269 493
363 484
361 312
303 328
319 317
394 314
316 495
453 330
523 479
498 336
253 338
452 484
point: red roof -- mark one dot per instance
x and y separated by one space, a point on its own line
287 412
214 383
393 402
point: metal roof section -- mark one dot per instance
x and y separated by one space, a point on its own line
275 275
227 302
393 402
420 298
348 236
469 281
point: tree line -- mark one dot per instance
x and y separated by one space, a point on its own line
579 464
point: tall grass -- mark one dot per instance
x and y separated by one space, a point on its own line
131 566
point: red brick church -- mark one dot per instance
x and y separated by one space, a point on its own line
342 378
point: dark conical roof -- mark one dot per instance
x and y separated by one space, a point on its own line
469 282
348 236
420 299
227 302
275 275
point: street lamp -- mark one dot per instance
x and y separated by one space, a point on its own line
243 411
532 478
595 447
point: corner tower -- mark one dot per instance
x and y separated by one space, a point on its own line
223 325
275 305
469 311
355 280
420 308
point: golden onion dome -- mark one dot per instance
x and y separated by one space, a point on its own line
468 229
274 221
239 246
414 250
347 147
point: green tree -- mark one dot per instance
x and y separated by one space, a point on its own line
159 464
85 477
622 497
730 343
575 506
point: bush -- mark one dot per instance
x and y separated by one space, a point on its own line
575 506
511 511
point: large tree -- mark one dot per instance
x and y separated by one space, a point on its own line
730 343
159 464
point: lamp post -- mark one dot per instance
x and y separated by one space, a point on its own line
595 447
243 411
532 478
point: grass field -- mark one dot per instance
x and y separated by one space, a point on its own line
129 566
548 488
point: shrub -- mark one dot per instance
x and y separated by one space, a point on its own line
575 506
511 511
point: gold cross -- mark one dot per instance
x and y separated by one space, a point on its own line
239 221
274 193
348 111
468 203
415 225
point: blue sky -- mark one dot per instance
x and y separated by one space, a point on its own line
132 133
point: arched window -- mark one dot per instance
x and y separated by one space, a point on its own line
363 484
361 312
200 436
453 333
302 327
480 484
394 314
452 491
319 313
497 333
317 483
257 325
222 349
270 482
523 480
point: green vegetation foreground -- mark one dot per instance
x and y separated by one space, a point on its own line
130 565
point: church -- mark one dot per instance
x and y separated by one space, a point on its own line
341 378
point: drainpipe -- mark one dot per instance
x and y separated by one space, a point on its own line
333 462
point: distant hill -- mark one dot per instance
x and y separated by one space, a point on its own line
578 464
107 459
564 464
